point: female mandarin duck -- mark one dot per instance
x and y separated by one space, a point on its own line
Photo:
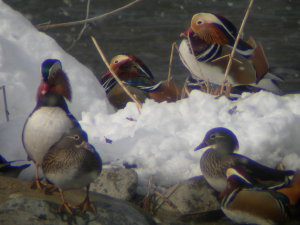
219 156
72 163
138 79
50 118
205 52
244 203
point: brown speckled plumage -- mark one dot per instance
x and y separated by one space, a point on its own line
220 156
72 163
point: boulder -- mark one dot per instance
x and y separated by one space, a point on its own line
118 183
190 202
190 196
21 205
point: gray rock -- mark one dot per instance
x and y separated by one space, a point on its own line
21 205
28 211
190 196
119 183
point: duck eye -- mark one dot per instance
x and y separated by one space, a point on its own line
76 137
212 136
116 61
199 22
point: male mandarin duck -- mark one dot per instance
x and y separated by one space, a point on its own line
205 51
51 117
219 145
244 203
138 79
72 163
11 168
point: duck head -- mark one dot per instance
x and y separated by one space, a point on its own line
127 67
54 80
211 28
220 139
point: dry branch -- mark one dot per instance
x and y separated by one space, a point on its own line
235 45
79 22
170 63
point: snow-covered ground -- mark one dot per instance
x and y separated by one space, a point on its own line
160 140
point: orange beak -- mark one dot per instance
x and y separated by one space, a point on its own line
43 88
187 32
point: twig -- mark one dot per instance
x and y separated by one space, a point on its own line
138 104
183 60
167 199
224 56
186 65
5 103
78 22
170 63
235 45
84 26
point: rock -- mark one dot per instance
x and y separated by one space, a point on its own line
190 196
119 183
21 205
189 201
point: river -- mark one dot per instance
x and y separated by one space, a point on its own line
149 28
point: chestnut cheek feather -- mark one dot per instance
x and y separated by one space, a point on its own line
43 89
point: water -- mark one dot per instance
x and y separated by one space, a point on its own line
149 28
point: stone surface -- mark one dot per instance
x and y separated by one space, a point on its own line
194 195
190 202
119 183
21 205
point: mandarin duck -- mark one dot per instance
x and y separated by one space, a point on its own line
205 51
138 79
244 203
11 168
72 163
51 117
219 145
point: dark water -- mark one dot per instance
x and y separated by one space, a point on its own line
148 29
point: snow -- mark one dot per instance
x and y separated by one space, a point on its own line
161 138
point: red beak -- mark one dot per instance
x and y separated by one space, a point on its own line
43 89
186 33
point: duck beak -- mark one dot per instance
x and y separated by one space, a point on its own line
43 88
87 146
203 146
186 33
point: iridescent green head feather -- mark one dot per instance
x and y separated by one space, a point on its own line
49 67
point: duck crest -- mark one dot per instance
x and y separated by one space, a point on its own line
49 67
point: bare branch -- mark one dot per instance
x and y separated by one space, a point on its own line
170 62
49 26
84 26
235 45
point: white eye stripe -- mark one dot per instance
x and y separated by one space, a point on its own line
54 68
208 17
